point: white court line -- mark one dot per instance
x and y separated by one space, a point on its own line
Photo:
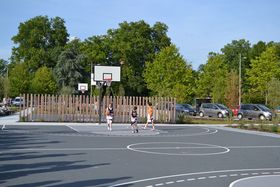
133 147
175 148
254 146
180 181
64 149
125 148
72 128
189 174
212 177
170 182
234 182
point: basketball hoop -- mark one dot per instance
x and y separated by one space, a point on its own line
108 83
83 87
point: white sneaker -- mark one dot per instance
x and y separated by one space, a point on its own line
108 128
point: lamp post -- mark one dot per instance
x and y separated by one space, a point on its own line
240 79
239 95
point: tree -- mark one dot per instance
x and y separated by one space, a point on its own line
37 40
263 69
232 89
19 80
257 50
43 82
232 53
212 78
69 70
4 81
3 67
133 43
169 75
273 95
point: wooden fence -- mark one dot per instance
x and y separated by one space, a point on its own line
81 108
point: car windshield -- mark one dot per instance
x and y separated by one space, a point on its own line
222 106
187 106
264 108
179 106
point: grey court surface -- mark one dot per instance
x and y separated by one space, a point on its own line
54 155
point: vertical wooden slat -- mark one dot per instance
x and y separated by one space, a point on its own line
38 106
51 107
65 107
174 111
31 107
70 108
77 108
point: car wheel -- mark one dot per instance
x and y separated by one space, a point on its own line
201 114
262 117
220 115
239 116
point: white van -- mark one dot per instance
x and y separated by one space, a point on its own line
18 101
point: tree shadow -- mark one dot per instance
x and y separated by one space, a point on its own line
36 183
31 155
93 182
13 171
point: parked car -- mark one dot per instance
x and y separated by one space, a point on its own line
254 111
277 110
213 110
185 109
18 101
4 110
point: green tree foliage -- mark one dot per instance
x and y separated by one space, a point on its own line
3 67
69 70
43 82
263 69
169 75
274 92
257 50
133 43
38 40
232 53
232 89
4 80
19 80
212 78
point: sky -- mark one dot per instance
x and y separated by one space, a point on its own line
196 27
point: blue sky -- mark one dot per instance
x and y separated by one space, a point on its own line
196 27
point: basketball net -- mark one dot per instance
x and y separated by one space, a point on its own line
108 82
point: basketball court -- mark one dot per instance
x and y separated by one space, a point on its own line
67 154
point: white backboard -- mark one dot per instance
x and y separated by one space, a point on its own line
103 73
92 82
82 86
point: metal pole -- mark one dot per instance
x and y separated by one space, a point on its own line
239 98
100 100
90 79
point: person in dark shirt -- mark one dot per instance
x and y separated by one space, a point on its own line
134 120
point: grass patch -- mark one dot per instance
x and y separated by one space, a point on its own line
260 127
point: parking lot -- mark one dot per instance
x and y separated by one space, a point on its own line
52 155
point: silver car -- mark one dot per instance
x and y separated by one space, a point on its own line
213 110
254 111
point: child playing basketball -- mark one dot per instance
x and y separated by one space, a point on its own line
134 120
109 116
150 116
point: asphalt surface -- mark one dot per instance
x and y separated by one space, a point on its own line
54 155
